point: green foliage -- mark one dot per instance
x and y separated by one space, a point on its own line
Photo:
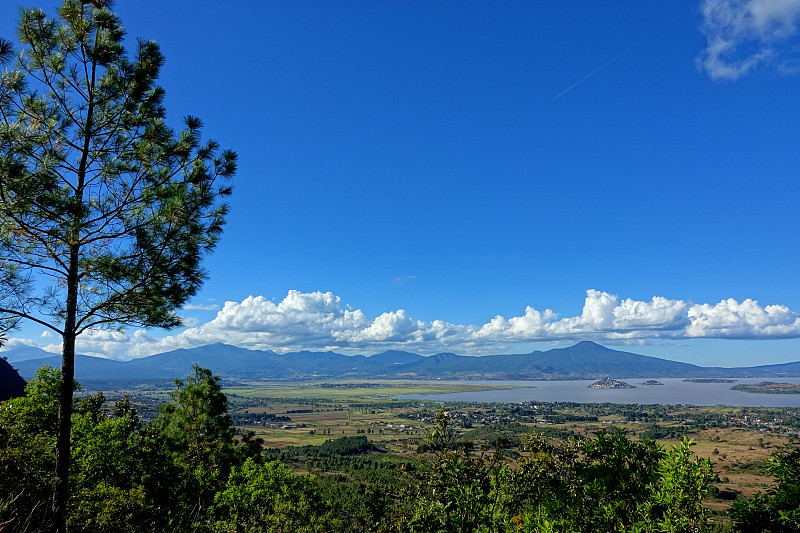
456 490
612 483
27 452
184 472
608 483
346 446
196 424
654 431
498 435
196 434
111 450
105 507
37 411
268 497
616 473
110 460
361 489
585 485
682 485
779 510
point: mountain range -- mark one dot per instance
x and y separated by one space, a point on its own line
586 360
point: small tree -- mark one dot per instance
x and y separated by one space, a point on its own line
198 436
105 212
196 424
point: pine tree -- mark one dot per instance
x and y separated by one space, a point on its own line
105 211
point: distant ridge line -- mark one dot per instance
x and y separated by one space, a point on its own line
584 360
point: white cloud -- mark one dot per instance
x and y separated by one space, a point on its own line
109 343
530 326
319 321
392 326
659 313
743 34
731 319
603 318
15 343
189 321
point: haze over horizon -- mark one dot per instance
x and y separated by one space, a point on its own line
489 178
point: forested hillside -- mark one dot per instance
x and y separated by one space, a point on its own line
186 470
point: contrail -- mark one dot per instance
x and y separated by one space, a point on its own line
601 67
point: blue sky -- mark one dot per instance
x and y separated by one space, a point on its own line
487 177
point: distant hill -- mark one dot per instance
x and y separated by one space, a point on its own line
394 357
16 352
585 360
85 367
785 369
11 383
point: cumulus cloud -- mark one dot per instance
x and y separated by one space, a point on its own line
731 319
603 317
392 326
108 343
319 321
744 34
14 344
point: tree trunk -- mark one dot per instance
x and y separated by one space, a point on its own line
61 488
63 455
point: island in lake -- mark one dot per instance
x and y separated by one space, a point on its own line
768 387
709 380
652 382
610 384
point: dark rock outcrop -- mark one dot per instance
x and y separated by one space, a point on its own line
11 383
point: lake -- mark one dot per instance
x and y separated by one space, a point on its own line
673 391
